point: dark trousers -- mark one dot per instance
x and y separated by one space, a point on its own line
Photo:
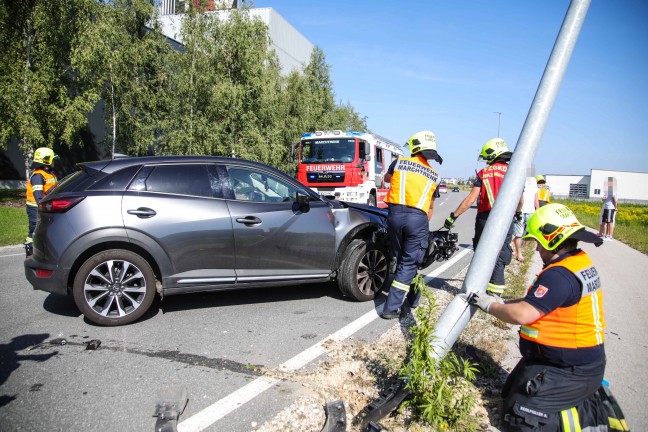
535 393
32 215
505 253
408 232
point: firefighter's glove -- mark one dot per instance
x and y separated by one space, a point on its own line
518 216
482 301
449 222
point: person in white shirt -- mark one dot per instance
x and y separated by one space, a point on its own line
608 216
530 197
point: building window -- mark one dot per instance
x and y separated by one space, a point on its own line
577 190
597 191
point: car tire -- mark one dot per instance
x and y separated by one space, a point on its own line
371 201
109 297
364 272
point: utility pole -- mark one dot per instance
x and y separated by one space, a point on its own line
457 314
499 116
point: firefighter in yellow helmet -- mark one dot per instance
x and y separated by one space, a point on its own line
40 182
544 191
485 190
562 330
410 200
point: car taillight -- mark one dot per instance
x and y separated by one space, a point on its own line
59 205
42 273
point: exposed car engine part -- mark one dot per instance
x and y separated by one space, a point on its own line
442 245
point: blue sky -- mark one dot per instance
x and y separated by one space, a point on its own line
448 66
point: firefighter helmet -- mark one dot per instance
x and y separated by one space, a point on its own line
44 155
540 179
552 224
424 142
494 149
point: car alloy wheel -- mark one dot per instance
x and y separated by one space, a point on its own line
364 270
115 287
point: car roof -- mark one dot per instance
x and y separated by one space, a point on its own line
111 165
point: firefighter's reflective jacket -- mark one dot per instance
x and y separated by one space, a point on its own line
491 180
413 183
49 180
578 326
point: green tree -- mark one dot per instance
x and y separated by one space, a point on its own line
121 57
41 103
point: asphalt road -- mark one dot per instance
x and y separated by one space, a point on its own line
215 345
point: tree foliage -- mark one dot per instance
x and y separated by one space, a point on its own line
41 103
221 93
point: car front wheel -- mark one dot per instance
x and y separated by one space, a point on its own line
364 271
114 287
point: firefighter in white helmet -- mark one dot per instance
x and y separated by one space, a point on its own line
413 187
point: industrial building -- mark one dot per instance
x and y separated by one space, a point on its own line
631 186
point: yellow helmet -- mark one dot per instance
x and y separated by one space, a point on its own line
424 142
44 155
540 178
552 224
494 149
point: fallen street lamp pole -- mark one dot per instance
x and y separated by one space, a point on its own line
458 313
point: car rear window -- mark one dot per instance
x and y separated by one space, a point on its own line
191 179
116 181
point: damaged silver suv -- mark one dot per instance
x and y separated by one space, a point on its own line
116 232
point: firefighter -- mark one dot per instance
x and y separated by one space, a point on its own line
41 180
486 187
544 191
558 377
410 200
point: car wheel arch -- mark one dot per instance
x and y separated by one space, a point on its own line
99 247
363 232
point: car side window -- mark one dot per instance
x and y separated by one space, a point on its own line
190 179
117 180
249 184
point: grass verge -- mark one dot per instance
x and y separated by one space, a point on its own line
631 225
13 217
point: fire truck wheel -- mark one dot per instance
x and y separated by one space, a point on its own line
371 201
364 271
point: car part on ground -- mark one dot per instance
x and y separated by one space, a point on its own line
115 232
442 245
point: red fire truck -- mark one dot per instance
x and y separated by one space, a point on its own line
347 166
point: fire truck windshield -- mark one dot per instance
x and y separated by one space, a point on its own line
328 150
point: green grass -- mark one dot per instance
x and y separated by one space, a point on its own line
13 225
631 225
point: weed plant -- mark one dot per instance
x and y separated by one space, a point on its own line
441 391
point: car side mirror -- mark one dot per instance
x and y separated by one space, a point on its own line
368 158
303 201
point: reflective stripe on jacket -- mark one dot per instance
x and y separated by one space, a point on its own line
49 180
491 179
413 183
577 326
544 193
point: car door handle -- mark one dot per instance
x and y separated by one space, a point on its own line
249 220
142 212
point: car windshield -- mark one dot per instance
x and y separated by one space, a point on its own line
328 150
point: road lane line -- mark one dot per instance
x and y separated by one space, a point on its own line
219 409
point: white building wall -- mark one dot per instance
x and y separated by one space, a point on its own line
631 186
292 48
561 184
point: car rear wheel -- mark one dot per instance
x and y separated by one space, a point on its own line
364 271
114 287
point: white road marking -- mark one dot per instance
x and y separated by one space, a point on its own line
219 409
4 256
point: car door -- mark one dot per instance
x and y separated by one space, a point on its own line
177 210
274 241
